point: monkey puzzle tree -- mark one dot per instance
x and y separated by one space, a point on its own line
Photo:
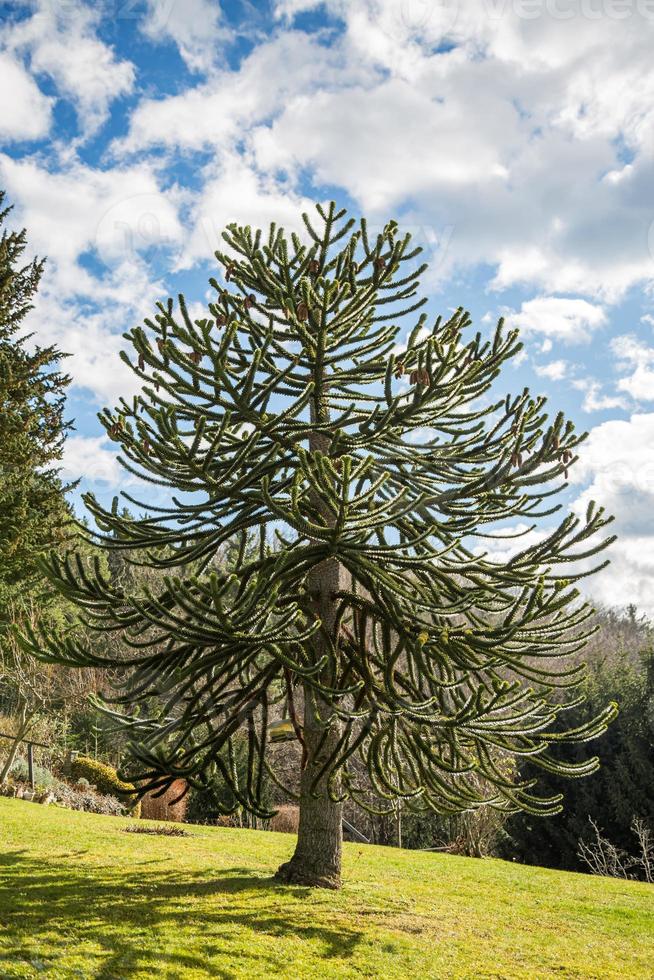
409 662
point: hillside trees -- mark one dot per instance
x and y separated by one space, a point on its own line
370 476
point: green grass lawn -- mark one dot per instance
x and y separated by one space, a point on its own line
81 898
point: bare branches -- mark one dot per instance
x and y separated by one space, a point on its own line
604 858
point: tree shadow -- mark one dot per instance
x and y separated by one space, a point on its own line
52 906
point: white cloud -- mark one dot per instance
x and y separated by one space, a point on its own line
647 318
92 458
93 338
25 112
289 8
555 370
617 461
594 399
632 353
193 25
236 192
220 112
115 214
502 147
509 138
60 40
560 318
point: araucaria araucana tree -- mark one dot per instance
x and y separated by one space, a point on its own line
411 664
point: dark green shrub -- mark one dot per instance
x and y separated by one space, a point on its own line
622 788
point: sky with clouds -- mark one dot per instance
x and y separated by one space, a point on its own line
514 138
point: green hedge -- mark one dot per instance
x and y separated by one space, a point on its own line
106 780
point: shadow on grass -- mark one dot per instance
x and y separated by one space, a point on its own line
144 921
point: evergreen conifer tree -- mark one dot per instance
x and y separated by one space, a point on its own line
370 475
33 510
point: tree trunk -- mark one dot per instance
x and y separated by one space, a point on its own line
23 728
317 857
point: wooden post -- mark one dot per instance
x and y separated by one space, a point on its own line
30 764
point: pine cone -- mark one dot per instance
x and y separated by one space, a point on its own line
221 320
141 362
249 300
380 263
228 272
302 311
314 267
195 356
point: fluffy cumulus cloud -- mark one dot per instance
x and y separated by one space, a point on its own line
617 465
25 112
595 398
93 339
553 370
508 133
559 318
638 359
221 112
60 41
235 191
195 26
93 458
75 210
526 135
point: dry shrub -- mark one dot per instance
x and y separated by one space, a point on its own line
225 820
286 820
155 807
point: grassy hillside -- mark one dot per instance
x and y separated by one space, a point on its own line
81 898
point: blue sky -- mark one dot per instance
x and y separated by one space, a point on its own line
515 138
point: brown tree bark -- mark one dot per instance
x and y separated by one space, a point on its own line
317 857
